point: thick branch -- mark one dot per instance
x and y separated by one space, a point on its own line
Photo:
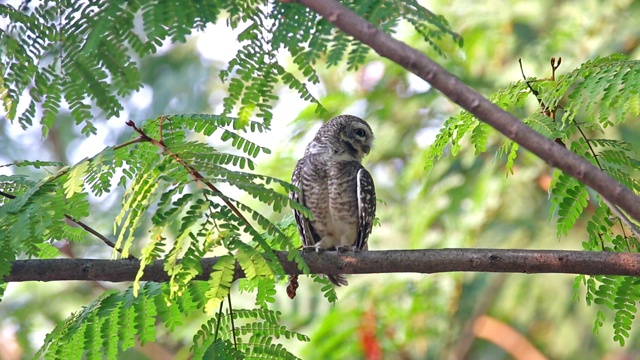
419 64
364 262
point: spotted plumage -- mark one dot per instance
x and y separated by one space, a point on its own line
337 189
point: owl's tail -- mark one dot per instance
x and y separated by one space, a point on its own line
338 280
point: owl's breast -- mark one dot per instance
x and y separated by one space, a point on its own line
343 200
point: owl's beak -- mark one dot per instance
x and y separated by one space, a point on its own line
366 149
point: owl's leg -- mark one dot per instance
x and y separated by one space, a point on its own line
327 242
346 243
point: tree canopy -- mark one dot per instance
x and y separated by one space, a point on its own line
147 148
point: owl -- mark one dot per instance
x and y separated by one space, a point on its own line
337 189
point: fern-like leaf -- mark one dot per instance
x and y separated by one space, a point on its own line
569 199
220 282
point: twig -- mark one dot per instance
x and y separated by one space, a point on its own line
524 77
543 108
136 140
215 334
81 224
623 218
7 195
233 327
554 66
93 232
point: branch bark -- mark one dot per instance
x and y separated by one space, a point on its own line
365 262
421 65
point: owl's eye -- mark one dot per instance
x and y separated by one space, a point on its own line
359 132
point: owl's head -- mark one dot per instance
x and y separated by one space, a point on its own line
344 136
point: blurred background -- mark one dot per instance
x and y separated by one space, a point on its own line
466 200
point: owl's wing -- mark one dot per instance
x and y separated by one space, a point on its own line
366 193
304 225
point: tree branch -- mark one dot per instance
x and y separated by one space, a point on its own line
195 174
419 64
365 262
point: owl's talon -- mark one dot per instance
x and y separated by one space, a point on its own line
344 249
308 249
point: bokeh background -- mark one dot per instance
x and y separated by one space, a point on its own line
467 200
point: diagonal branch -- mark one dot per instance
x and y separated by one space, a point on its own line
365 262
421 65
195 174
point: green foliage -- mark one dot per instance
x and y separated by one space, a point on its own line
618 294
255 70
569 199
328 291
599 94
83 58
37 214
594 92
113 322
255 330
84 53
158 180
456 127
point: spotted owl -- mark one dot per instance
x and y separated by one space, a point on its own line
337 189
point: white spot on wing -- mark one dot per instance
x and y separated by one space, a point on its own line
359 191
